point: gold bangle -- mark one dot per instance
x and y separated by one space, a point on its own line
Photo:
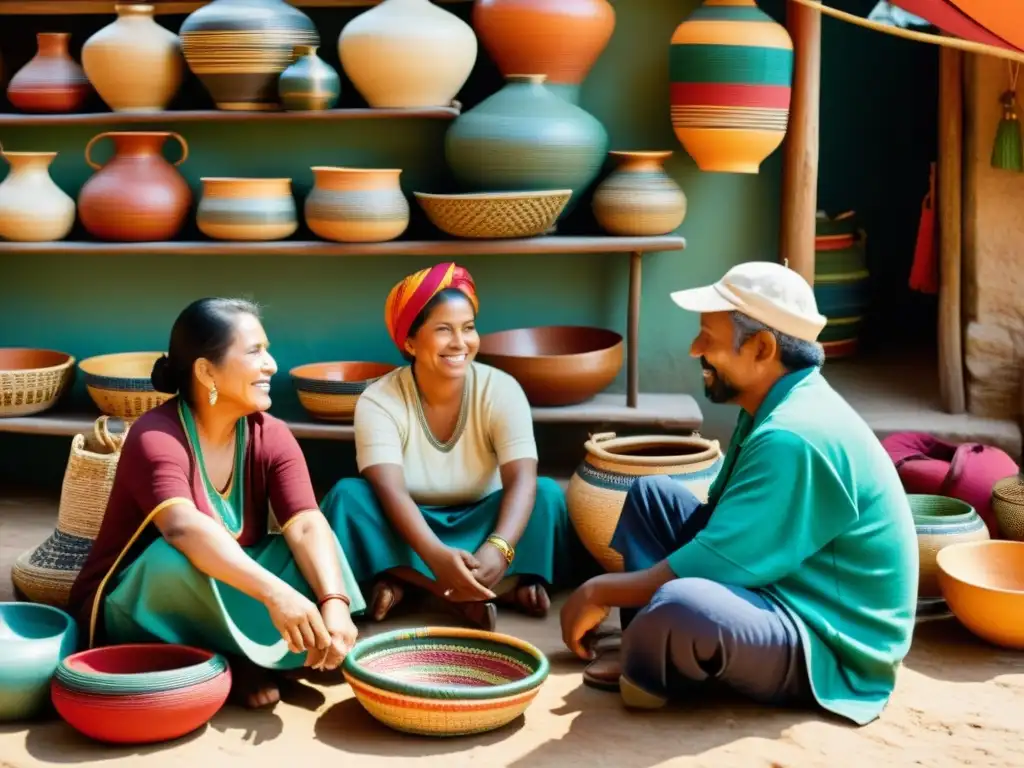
502 546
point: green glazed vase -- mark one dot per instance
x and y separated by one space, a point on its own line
309 83
34 639
524 138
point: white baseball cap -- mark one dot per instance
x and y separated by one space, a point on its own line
772 293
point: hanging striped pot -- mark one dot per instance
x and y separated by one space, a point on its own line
840 282
731 72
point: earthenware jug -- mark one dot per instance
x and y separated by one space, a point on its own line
51 81
32 206
638 198
246 209
134 64
137 196
239 48
407 53
525 138
309 83
562 39
356 205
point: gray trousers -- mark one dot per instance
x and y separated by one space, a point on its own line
695 631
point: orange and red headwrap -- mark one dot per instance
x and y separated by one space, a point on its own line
408 298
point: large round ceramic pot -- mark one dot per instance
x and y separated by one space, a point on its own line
51 81
239 48
941 521
598 488
32 206
524 138
35 639
356 205
639 198
247 209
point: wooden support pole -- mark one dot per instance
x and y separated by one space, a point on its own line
633 331
800 150
949 183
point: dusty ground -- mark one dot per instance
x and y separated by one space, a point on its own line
958 703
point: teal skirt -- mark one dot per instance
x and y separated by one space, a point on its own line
162 597
548 550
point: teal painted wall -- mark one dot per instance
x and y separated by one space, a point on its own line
877 138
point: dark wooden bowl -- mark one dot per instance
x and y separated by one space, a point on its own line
556 364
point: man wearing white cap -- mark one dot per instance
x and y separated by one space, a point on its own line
796 582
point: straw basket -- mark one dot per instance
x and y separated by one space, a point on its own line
32 380
1008 506
119 384
495 215
45 574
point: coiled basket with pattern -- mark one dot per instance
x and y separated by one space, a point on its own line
445 681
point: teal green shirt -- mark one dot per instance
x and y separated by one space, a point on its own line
809 510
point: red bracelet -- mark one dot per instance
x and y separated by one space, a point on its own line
334 596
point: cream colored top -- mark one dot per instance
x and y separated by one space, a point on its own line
498 428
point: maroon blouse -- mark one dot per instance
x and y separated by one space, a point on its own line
156 466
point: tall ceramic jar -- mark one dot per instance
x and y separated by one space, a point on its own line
639 198
239 48
356 205
309 83
731 71
137 196
134 64
247 209
407 53
523 139
562 40
51 81
32 207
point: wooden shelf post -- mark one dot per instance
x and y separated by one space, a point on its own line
633 330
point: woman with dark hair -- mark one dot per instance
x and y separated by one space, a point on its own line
449 499
185 554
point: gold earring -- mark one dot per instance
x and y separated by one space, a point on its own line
213 395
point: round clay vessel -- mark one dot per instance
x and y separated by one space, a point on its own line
32 207
555 365
983 585
247 209
137 196
329 391
562 40
611 465
52 81
638 198
407 53
309 83
356 205
32 380
134 64
35 639
941 521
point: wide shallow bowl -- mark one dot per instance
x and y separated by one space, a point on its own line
941 521
120 383
556 364
329 391
33 640
445 681
32 380
495 215
983 584
140 693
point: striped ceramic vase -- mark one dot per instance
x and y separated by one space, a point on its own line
731 71
840 282
247 209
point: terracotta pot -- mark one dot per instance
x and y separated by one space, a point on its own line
247 209
32 206
329 391
239 48
309 83
638 198
32 380
356 205
941 521
598 487
407 53
137 196
555 365
562 40
134 64
983 585
52 81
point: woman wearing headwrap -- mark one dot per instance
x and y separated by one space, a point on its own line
449 499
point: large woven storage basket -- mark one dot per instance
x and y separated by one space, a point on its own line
45 574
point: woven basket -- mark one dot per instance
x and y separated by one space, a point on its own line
45 574
1008 507
28 391
495 215
120 383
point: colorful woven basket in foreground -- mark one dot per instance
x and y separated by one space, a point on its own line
445 681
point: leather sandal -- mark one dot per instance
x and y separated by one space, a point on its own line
603 672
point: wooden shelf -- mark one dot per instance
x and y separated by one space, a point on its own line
163 7
550 244
678 413
16 119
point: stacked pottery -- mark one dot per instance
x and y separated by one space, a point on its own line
52 81
32 206
134 64
356 205
137 196
407 53
309 83
941 521
247 209
841 282
638 198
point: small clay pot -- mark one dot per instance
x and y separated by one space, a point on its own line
51 81
356 205
247 209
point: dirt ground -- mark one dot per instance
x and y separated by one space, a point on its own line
958 703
